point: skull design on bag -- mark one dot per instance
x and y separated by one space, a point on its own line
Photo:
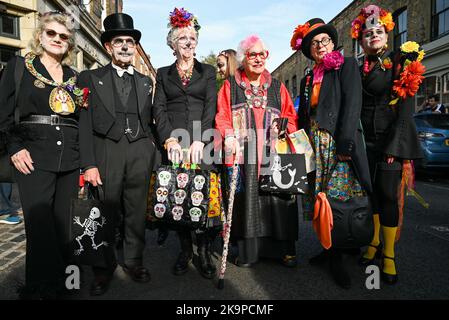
180 195
182 179
161 194
199 182
197 198
159 210
195 214
164 178
177 212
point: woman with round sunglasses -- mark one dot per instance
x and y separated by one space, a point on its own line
264 224
39 116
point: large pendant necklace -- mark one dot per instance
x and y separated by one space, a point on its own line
256 96
60 101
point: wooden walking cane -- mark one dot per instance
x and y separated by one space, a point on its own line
228 223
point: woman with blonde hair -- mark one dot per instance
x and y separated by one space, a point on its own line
227 63
42 141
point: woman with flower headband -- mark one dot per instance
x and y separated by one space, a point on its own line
227 63
390 80
264 224
43 145
331 98
185 98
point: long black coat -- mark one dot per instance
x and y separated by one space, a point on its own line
338 112
100 116
390 130
176 106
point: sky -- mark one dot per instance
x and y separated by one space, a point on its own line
224 24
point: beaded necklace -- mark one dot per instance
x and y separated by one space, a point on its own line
185 75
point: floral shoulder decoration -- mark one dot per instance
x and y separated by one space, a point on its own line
411 75
181 18
81 94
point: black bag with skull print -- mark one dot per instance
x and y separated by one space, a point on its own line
180 199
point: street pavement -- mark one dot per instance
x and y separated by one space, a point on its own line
422 262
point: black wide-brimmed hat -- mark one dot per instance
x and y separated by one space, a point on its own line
317 26
119 24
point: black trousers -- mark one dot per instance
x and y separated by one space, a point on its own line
45 198
386 180
125 170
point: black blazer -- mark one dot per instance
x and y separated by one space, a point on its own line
100 116
176 106
338 112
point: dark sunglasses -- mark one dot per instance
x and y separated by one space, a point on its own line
52 33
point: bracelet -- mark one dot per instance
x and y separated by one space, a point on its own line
168 141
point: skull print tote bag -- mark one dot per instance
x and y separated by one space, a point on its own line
91 229
181 196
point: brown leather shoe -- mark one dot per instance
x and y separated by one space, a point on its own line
138 273
100 285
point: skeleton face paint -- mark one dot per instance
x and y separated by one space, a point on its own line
161 194
164 178
197 198
159 210
180 195
94 213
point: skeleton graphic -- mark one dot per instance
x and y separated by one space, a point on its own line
161 194
164 178
180 195
277 176
159 210
195 214
90 229
177 212
197 197
199 182
182 179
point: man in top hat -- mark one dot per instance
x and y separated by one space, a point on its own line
117 149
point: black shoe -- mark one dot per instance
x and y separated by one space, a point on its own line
100 285
138 273
182 263
320 259
390 279
365 261
240 264
338 272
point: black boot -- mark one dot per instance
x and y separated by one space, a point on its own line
338 272
184 258
207 267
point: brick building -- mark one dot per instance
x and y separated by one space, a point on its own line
423 21
19 19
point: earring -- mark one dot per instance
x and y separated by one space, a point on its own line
174 53
194 54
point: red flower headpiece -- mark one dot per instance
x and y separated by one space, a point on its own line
299 34
181 18
371 16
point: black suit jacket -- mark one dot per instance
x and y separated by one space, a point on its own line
177 107
338 111
100 116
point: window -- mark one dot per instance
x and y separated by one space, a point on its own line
400 28
9 26
358 51
294 87
440 18
6 53
437 84
287 85
445 83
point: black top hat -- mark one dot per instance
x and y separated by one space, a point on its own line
119 24
324 28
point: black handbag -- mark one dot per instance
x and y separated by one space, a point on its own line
92 229
181 196
353 222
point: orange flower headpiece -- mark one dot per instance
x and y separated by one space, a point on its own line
299 34
369 17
